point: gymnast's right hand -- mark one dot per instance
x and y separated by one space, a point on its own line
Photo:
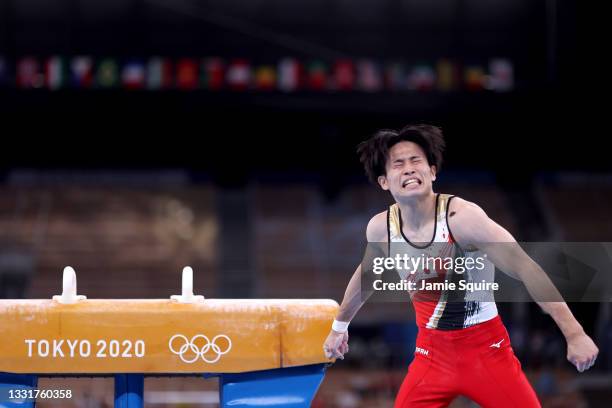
336 345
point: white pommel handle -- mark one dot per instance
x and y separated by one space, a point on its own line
187 295
69 288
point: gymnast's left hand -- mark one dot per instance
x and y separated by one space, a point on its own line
581 351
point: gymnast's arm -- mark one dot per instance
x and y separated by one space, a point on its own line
471 227
336 344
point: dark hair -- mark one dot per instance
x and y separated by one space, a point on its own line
373 153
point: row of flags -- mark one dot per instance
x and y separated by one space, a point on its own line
288 75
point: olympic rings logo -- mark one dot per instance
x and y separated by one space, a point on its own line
204 349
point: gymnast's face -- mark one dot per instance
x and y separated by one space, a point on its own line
408 174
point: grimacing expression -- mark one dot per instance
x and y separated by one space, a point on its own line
408 173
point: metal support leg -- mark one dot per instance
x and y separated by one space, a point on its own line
129 389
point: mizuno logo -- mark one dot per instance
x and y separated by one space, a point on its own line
498 344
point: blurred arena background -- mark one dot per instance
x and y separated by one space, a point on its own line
140 136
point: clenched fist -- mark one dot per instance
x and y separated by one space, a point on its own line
581 352
336 345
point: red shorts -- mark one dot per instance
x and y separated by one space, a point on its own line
477 362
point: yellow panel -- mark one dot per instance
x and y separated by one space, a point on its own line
120 336
303 331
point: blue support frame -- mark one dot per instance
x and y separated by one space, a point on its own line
293 387
10 381
129 390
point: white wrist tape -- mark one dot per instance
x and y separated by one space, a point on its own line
340 327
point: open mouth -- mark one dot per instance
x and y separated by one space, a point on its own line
411 181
